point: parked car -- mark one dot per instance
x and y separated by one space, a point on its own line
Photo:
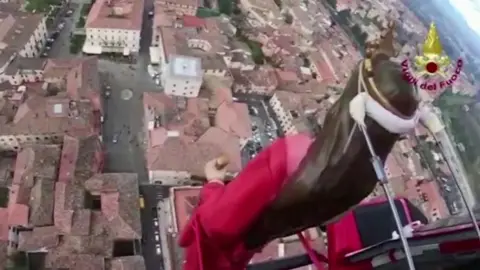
115 139
55 35
158 249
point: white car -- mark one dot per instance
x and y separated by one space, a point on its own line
115 138
157 237
158 249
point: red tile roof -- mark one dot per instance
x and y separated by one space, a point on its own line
193 21
3 225
116 14
69 159
234 118
185 199
80 75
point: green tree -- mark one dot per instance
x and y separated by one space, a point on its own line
225 6
288 18
81 22
359 35
19 261
257 53
332 3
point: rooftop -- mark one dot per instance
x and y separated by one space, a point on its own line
302 106
263 77
192 3
206 39
24 63
79 77
184 200
188 135
81 236
116 14
186 66
36 115
16 28
30 200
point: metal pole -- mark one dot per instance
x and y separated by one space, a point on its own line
380 172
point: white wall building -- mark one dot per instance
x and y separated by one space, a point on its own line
183 76
284 117
114 26
21 34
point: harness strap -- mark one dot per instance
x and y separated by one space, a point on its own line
310 251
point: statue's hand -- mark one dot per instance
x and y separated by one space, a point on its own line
431 121
357 109
216 169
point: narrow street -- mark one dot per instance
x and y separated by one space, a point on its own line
61 46
123 134
123 127
150 226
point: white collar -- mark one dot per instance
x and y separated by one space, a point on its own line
363 104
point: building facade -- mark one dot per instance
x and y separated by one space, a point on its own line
114 26
183 76
21 35
182 7
284 117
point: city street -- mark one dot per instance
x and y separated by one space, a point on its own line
124 108
151 234
457 167
61 46
261 124
123 134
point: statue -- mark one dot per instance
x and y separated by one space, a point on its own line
336 174
298 182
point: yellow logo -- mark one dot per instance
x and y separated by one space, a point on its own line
430 68
433 61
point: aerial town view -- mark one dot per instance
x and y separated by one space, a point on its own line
227 134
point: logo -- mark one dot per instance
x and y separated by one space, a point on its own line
432 70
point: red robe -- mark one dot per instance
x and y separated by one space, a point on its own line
213 237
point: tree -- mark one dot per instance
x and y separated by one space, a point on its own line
359 35
288 18
225 6
332 3
81 22
19 261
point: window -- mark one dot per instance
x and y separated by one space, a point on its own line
123 248
93 202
